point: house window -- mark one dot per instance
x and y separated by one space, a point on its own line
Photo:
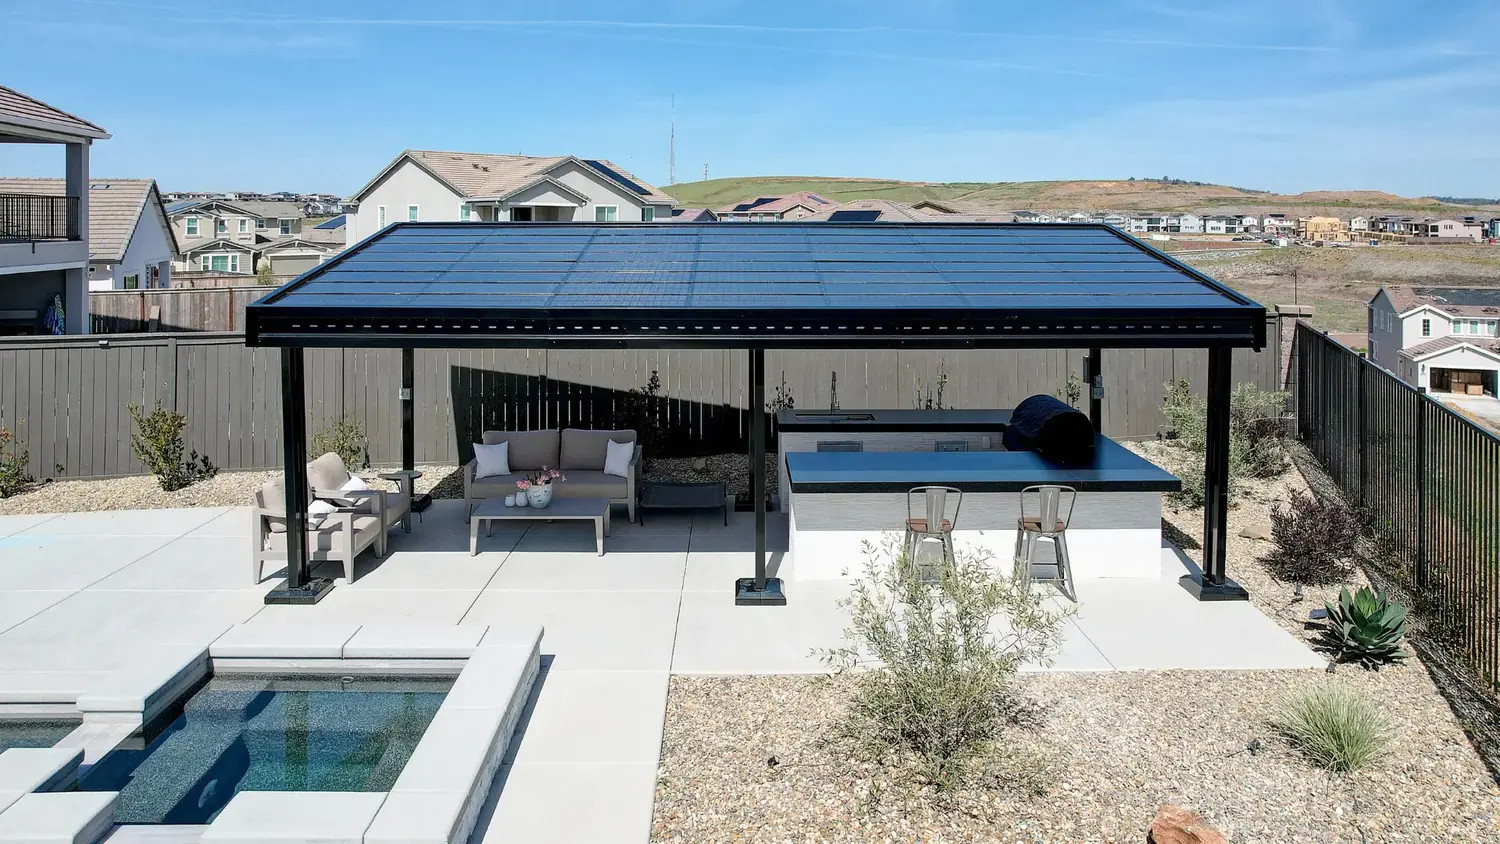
1473 326
411 213
1426 328
221 226
260 224
286 226
606 213
380 215
464 213
244 226
192 226
132 281
648 214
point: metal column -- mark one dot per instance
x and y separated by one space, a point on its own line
419 501
758 590
1095 386
1213 584
300 587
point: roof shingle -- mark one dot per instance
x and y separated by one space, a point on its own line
33 112
487 174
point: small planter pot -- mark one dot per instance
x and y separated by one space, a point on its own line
539 495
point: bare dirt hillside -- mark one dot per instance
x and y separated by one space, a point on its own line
1119 195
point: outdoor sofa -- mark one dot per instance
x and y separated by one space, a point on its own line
361 520
579 453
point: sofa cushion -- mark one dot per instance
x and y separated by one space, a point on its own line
491 460
589 483
583 449
528 449
327 472
495 486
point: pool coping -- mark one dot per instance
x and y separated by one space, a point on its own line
439 793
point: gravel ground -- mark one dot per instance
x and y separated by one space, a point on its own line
1114 747
234 489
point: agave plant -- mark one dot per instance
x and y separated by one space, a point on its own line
1366 627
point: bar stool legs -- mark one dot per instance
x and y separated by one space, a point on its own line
1026 543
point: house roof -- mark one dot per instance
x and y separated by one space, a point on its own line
887 210
780 204
271 209
218 245
473 174
693 215
202 206
19 109
115 207
1452 341
322 246
771 285
1459 301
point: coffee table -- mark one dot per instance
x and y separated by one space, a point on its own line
492 510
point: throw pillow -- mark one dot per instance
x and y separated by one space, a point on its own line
354 484
617 458
318 511
491 460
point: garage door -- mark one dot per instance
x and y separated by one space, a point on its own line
285 265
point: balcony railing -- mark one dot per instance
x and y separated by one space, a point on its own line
28 217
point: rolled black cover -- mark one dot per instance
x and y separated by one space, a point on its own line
1051 428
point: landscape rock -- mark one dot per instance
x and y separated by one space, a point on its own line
1256 530
1176 825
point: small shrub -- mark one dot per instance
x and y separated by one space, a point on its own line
1334 728
264 276
1366 628
782 399
930 396
944 685
642 408
157 443
1072 388
1316 541
1256 434
345 437
14 479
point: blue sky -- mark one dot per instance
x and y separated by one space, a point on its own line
316 96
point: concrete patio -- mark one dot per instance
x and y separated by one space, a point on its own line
80 592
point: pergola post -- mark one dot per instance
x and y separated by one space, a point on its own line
1213 584
419 501
758 590
300 587
1096 388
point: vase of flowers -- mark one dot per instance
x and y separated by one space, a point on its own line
538 486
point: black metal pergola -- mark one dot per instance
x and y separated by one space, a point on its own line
754 286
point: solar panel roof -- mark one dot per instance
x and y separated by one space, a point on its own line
785 284
332 223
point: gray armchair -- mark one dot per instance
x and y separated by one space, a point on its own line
341 536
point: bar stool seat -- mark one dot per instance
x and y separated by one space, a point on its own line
1034 523
920 525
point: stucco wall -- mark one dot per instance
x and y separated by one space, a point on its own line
405 185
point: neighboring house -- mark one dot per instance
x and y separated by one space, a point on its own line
295 255
1359 224
886 211
1446 228
218 256
130 242
460 186
1279 225
1438 339
793 206
1031 217
1224 224
44 238
694 215
1330 229
1492 228
243 221
1189 224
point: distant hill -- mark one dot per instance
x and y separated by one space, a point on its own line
1116 195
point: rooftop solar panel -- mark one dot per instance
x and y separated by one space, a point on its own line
788 284
332 223
615 176
853 216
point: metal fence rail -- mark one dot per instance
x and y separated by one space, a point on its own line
1427 479
27 217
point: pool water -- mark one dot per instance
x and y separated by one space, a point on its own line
33 733
240 733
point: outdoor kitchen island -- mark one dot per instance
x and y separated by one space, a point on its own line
839 500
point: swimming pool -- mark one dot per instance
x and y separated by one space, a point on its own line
256 733
33 733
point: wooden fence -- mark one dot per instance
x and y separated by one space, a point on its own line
68 394
175 309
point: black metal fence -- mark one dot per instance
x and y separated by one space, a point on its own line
1427 478
27 217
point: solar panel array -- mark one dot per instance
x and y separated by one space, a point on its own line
615 176
769 268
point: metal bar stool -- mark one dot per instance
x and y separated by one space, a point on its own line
932 523
1045 513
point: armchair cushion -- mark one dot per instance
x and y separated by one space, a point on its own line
583 449
527 449
327 472
354 484
316 512
495 486
326 537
